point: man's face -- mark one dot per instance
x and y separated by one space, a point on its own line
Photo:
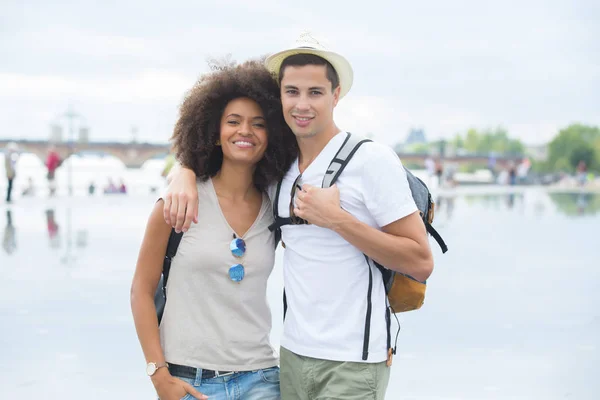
307 99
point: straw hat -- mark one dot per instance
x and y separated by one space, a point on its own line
307 44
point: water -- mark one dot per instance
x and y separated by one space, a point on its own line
511 310
84 170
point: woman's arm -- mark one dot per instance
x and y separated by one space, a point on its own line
145 281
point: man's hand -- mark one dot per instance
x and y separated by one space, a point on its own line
319 206
181 200
170 388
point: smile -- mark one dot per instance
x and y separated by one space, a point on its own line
303 122
243 144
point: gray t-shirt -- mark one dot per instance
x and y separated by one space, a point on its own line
210 321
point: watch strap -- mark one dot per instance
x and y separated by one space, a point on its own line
157 366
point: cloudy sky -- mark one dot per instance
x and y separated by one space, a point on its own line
531 66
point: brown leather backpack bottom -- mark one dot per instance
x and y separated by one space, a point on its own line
406 294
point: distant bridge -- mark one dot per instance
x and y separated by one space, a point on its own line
502 161
133 155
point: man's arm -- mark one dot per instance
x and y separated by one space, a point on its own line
401 245
181 200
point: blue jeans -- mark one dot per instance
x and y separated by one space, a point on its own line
262 384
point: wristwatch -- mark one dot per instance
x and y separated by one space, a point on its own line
152 367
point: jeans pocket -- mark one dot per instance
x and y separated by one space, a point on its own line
186 380
270 375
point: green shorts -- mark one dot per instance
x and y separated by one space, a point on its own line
306 378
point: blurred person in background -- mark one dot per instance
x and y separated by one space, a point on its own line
581 173
52 229
10 165
9 241
29 190
53 161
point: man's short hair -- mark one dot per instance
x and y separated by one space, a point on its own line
300 60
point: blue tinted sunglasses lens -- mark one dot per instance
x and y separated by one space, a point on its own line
236 272
238 247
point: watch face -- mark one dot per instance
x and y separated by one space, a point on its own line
151 368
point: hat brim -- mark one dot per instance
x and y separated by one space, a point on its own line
339 63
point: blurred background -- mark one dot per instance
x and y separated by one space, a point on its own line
495 105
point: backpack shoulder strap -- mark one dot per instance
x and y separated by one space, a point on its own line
342 157
278 221
276 199
438 238
172 245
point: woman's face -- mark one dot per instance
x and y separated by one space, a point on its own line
243 132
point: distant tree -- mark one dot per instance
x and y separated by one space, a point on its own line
472 141
458 142
515 147
417 148
596 147
488 141
573 142
585 153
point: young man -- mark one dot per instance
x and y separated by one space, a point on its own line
330 348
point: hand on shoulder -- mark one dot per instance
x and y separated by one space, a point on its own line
181 200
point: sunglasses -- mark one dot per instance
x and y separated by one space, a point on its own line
238 249
296 220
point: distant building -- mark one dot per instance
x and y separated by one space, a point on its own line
56 134
84 135
415 136
415 142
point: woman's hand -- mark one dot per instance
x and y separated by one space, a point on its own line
170 388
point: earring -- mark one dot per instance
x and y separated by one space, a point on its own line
218 143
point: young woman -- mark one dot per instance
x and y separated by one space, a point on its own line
213 339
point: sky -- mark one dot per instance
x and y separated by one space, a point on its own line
530 66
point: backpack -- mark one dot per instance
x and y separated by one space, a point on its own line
160 296
404 292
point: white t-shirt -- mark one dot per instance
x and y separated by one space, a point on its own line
326 278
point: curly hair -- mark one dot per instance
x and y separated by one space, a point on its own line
197 129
